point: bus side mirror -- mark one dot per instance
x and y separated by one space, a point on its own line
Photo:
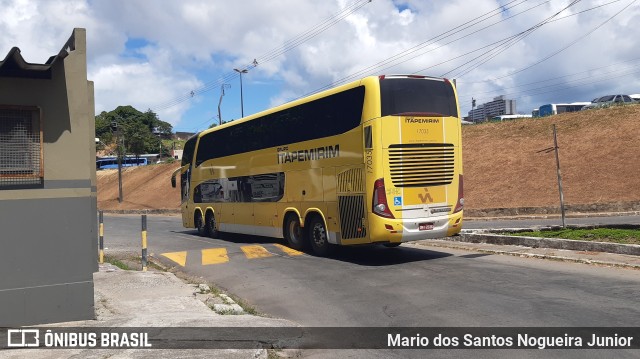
173 181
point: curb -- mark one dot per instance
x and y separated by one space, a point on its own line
535 255
555 243
629 207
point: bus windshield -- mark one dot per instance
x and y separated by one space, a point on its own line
417 95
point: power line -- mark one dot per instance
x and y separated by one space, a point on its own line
583 11
561 50
463 94
503 47
563 87
272 54
439 37
390 60
565 47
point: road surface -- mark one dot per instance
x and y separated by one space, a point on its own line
407 286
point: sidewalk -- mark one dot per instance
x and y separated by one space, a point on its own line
151 299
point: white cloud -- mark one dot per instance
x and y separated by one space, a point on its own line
143 87
195 42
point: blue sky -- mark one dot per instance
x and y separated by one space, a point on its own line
153 54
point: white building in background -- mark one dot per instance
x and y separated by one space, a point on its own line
176 154
499 106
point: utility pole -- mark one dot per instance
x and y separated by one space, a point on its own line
555 145
473 107
555 148
116 130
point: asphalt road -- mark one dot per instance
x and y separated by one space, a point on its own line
407 286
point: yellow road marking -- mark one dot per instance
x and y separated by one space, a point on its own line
287 250
214 256
178 257
255 252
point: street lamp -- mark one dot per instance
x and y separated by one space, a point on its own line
244 71
220 102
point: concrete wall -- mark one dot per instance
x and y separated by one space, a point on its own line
48 236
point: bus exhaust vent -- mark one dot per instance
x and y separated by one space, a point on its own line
352 218
351 205
421 164
351 181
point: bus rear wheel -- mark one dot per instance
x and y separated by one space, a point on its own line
210 225
293 232
199 222
319 238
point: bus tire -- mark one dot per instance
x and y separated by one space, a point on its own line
210 224
293 232
392 245
199 223
318 237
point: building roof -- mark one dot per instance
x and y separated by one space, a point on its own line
14 64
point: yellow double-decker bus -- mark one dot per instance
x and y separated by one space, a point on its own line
377 160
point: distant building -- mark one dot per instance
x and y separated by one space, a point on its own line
499 106
510 117
557 108
176 154
183 135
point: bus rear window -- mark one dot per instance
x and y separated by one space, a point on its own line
412 95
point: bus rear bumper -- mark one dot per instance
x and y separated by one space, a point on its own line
416 229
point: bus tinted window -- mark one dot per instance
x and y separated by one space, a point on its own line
403 95
187 153
328 116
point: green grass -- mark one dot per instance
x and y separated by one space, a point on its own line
116 262
624 236
248 308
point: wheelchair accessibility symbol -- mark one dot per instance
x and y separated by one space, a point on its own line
397 201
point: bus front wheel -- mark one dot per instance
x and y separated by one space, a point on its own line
318 237
293 232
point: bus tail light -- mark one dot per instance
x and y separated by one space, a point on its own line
380 206
460 202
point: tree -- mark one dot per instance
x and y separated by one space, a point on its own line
103 128
216 125
135 138
142 130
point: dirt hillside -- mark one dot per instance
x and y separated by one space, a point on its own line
503 165
599 159
145 187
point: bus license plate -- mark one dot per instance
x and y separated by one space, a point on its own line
425 226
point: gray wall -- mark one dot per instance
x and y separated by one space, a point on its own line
48 236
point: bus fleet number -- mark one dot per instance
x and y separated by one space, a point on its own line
369 161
